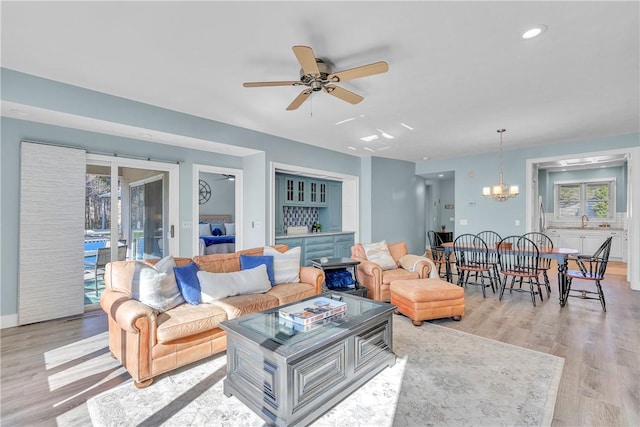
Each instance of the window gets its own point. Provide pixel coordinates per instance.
(596, 199)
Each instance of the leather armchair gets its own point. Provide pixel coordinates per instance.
(378, 281)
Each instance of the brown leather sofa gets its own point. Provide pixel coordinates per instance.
(149, 344)
(378, 281)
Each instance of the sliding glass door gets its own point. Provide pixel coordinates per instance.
(148, 218)
(127, 215)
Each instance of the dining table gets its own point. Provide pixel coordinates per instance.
(561, 255)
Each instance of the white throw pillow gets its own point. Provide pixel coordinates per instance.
(286, 266)
(216, 286)
(230, 228)
(379, 253)
(204, 230)
(156, 285)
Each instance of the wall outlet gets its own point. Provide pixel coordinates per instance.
(517, 223)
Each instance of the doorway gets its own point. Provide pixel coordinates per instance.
(632, 157)
(128, 216)
(217, 199)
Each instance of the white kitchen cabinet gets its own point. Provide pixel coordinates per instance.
(617, 245)
(555, 237)
(588, 241)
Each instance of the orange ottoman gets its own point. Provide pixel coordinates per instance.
(425, 299)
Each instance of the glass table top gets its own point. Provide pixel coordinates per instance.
(269, 324)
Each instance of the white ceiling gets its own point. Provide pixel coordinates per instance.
(458, 71)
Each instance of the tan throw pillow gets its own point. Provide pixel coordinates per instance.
(286, 266)
(379, 253)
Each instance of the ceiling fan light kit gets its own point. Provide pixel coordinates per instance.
(317, 75)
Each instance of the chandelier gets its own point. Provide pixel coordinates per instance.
(500, 191)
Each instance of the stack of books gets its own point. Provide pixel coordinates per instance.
(312, 311)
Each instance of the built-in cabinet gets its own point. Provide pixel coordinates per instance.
(302, 191)
(331, 217)
(588, 241)
(293, 190)
(321, 245)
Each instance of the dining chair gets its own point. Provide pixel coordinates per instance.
(545, 244)
(103, 258)
(519, 260)
(437, 252)
(491, 238)
(472, 257)
(591, 268)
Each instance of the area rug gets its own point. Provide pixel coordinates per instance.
(442, 377)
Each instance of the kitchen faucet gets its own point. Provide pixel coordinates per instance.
(585, 220)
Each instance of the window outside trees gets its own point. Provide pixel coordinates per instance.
(594, 199)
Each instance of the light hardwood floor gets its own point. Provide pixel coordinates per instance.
(50, 369)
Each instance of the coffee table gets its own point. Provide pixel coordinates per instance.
(290, 377)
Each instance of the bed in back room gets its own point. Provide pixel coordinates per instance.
(217, 234)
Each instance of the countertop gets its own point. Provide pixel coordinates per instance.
(323, 233)
(596, 228)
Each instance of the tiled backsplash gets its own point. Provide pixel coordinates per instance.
(620, 221)
(295, 216)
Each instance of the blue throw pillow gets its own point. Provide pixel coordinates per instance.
(216, 232)
(217, 225)
(248, 262)
(188, 283)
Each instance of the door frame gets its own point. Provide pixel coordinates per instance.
(632, 155)
(239, 197)
(171, 202)
(350, 195)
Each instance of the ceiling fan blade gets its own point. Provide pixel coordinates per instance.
(299, 99)
(343, 94)
(263, 84)
(307, 59)
(357, 72)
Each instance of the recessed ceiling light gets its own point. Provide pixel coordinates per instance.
(370, 149)
(383, 133)
(345, 121)
(369, 138)
(425, 158)
(534, 32)
(440, 175)
(352, 148)
(407, 126)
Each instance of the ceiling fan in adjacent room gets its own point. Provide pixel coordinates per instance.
(317, 75)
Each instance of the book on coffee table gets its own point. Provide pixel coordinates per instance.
(311, 311)
(291, 328)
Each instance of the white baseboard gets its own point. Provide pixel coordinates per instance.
(8, 321)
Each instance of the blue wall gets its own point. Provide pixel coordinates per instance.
(397, 204)
(41, 93)
(619, 173)
(391, 195)
(474, 172)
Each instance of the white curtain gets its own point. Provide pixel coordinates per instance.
(52, 199)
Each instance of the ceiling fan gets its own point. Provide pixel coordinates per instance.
(317, 75)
